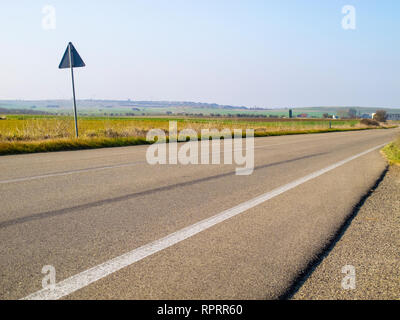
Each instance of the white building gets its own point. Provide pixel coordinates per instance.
(393, 116)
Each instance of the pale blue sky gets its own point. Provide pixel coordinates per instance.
(253, 53)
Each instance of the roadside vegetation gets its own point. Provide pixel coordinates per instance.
(27, 134)
(392, 152)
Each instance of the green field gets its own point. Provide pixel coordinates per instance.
(28, 133)
(33, 128)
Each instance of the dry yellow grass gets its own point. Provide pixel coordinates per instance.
(34, 129)
(22, 134)
(392, 152)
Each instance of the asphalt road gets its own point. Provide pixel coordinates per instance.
(79, 210)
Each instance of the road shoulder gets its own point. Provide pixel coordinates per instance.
(371, 245)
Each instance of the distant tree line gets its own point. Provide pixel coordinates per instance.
(25, 111)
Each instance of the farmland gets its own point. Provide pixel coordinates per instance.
(118, 108)
(31, 128)
(30, 133)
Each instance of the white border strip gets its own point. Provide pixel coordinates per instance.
(96, 273)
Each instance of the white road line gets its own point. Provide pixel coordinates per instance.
(94, 274)
(66, 173)
(58, 174)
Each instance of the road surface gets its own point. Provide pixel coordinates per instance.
(370, 245)
(115, 227)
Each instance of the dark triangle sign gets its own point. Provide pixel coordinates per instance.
(76, 59)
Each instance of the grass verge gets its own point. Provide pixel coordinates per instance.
(66, 144)
(392, 152)
(70, 144)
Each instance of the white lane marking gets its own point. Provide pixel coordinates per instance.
(66, 173)
(57, 174)
(96, 273)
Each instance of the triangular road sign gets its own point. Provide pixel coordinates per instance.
(76, 59)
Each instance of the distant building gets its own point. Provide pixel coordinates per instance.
(366, 116)
(393, 116)
(302, 115)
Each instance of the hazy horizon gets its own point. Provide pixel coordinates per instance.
(264, 54)
(194, 102)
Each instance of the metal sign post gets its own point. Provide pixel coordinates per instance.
(73, 91)
(72, 59)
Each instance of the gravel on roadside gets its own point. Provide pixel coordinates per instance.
(371, 245)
